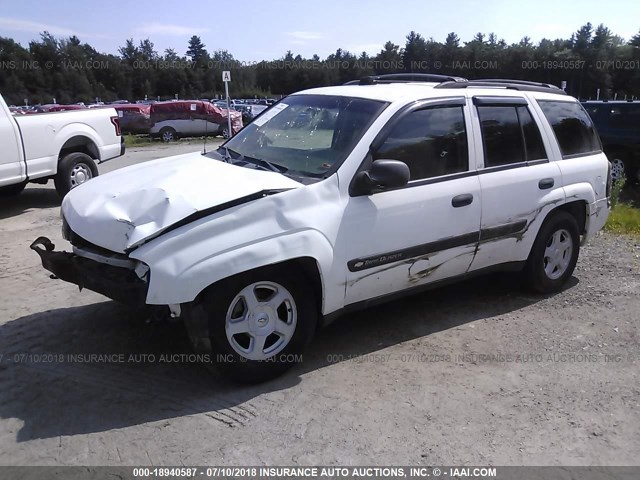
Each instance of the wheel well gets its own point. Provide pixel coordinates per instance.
(306, 265)
(309, 268)
(79, 144)
(578, 210)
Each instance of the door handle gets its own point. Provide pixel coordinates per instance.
(462, 200)
(546, 183)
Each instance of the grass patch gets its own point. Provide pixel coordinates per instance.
(137, 140)
(624, 218)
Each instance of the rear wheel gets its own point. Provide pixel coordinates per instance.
(554, 254)
(73, 170)
(621, 165)
(259, 323)
(618, 169)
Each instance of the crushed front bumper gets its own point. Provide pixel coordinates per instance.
(118, 283)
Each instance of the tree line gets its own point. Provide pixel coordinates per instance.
(591, 61)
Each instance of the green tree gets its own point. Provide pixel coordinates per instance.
(196, 50)
(415, 52)
(389, 59)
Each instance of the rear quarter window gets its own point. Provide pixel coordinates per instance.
(572, 126)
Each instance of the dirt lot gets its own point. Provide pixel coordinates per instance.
(478, 373)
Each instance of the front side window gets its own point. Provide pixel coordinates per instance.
(304, 135)
(572, 126)
(432, 142)
(625, 117)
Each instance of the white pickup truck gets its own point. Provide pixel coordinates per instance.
(63, 146)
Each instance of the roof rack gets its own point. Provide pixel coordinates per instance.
(404, 78)
(521, 85)
(628, 100)
(447, 81)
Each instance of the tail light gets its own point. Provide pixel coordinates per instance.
(116, 124)
(609, 180)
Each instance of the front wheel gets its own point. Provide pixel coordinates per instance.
(168, 134)
(260, 322)
(554, 254)
(73, 170)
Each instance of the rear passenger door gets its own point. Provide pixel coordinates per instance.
(518, 183)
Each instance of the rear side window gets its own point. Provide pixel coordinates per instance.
(432, 142)
(510, 135)
(573, 127)
(626, 117)
(532, 138)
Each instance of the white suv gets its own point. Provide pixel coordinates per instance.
(335, 199)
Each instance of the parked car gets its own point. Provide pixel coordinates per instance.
(188, 118)
(55, 107)
(398, 184)
(134, 118)
(62, 146)
(256, 110)
(249, 111)
(618, 123)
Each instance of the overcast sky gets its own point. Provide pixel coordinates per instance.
(257, 30)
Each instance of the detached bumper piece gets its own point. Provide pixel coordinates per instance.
(117, 283)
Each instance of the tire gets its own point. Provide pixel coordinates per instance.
(621, 165)
(618, 167)
(73, 170)
(225, 132)
(548, 267)
(168, 134)
(12, 190)
(245, 345)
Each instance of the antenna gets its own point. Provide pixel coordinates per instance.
(206, 124)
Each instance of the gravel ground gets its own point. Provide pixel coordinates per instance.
(476, 373)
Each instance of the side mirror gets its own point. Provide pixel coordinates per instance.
(383, 175)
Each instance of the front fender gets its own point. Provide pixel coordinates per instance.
(180, 277)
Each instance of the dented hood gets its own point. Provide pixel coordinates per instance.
(120, 209)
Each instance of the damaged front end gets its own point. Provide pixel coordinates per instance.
(110, 274)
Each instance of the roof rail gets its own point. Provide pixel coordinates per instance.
(404, 78)
(517, 82)
(521, 85)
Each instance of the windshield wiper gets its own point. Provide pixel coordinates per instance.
(274, 167)
(227, 156)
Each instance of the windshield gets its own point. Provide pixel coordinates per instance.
(308, 135)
